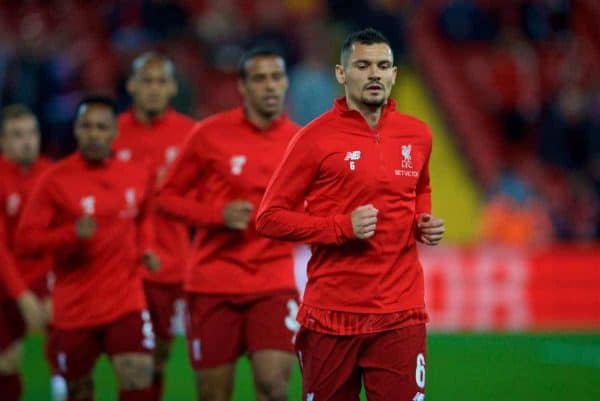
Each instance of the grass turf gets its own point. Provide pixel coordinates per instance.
(466, 367)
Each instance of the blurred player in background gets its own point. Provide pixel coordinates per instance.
(20, 277)
(241, 295)
(89, 212)
(153, 133)
(361, 172)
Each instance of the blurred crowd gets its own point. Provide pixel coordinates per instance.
(533, 63)
(52, 52)
(534, 66)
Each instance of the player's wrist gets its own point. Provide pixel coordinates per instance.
(344, 228)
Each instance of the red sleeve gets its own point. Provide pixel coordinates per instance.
(145, 221)
(423, 192)
(37, 231)
(184, 176)
(10, 278)
(423, 199)
(278, 216)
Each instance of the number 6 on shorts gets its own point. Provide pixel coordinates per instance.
(420, 371)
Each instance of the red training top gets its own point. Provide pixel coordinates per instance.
(157, 144)
(227, 158)
(97, 280)
(15, 186)
(332, 166)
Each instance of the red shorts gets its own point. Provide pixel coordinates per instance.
(12, 325)
(163, 301)
(391, 364)
(73, 352)
(221, 328)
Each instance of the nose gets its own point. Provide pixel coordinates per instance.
(374, 72)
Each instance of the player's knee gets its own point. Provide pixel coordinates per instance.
(272, 387)
(133, 371)
(81, 389)
(213, 387)
(10, 359)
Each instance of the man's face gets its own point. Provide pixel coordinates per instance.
(265, 85)
(369, 74)
(21, 139)
(152, 87)
(95, 130)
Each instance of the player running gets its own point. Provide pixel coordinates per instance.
(153, 133)
(89, 212)
(360, 171)
(241, 295)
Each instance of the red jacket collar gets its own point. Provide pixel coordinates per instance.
(341, 106)
(164, 117)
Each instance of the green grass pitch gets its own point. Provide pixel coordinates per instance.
(465, 367)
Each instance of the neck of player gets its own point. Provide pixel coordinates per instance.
(146, 117)
(370, 113)
(260, 120)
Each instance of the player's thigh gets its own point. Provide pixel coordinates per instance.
(162, 301)
(215, 384)
(270, 322)
(10, 358)
(271, 370)
(130, 342)
(329, 366)
(393, 365)
(214, 331)
(73, 353)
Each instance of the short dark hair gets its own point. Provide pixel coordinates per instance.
(258, 51)
(14, 111)
(368, 36)
(98, 100)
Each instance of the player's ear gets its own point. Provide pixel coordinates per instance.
(130, 86)
(242, 87)
(173, 88)
(340, 74)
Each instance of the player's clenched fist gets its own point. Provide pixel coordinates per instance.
(85, 227)
(431, 229)
(364, 221)
(236, 214)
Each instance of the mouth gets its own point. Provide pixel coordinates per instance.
(271, 100)
(374, 88)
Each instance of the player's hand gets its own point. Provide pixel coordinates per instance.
(85, 227)
(236, 214)
(430, 229)
(151, 261)
(32, 311)
(364, 221)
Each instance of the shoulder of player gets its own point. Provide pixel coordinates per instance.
(52, 172)
(213, 126)
(313, 131)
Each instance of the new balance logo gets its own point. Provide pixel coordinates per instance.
(13, 203)
(352, 157)
(124, 155)
(237, 164)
